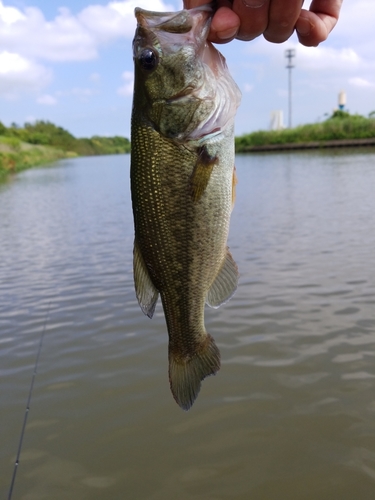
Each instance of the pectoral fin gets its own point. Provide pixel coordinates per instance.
(225, 284)
(201, 173)
(145, 290)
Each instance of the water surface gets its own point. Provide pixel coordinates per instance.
(291, 413)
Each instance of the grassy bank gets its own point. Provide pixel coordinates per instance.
(43, 142)
(16, 155)
(340, 126)
(47, 134)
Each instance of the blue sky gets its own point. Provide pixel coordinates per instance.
(70, 62)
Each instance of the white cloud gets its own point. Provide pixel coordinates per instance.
(356, 23)
(82, 93)
(318, 58)
(328, 58)
(361, 82)
(12, 63)
(282, 92)
(106, 22)
(30, 119)
(321, 68)
(346, 60)
(10, 15)
(62, 39)
(128, 85)
(27, 37)
(18, 75)
(94, 77)
(69, 37)
(348, 49)
(247, 87)
(46, 99)
(116, 19)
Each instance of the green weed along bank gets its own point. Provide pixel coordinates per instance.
(16, 155)
(43, 142)
(340, 126)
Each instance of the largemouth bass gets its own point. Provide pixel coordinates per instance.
(182, 184)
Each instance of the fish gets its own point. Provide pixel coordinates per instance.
(182, 185)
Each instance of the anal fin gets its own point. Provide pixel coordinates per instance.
(145, 290)
(225, 284)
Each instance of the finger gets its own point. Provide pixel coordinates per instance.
(282, 19)
(225, 23)
(254, 17)
(314, 26)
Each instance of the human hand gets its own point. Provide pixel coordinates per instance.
(276, 20)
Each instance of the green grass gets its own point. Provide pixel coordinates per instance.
(47, 134)
(340, 125)
(43, 142)
(16, 155)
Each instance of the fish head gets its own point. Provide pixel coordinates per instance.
(177, 73)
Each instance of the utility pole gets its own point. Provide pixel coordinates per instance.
(289, 54)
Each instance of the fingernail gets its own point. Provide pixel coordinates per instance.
(303, 26)
(226, 34)
(253, 4)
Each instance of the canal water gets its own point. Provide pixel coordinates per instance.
(290, 415)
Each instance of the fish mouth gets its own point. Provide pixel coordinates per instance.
(192, 23)
(172, 22)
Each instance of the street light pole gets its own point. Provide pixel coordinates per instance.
(289, 54)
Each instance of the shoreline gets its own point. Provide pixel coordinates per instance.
(24, 156)
(15, 158)
(293, 146)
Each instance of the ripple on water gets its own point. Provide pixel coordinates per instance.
(291, 412)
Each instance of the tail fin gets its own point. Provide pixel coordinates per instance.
(185, 376)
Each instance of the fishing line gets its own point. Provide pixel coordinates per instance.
(16, 463)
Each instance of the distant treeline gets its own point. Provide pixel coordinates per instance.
(47, 134)
(341, 125)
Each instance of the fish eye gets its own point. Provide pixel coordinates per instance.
(148, 59)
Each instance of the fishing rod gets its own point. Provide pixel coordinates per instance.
(16, 463)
